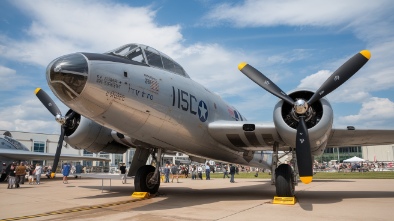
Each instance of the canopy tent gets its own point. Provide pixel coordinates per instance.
(354, 159)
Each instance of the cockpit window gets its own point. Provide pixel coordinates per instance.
(172, 66)
(153, 59)
(9, 143)
(150, 56)
(136, 55)
(125, 49)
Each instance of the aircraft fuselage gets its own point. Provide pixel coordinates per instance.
(153, 105)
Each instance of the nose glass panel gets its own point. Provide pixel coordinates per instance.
(68, 76)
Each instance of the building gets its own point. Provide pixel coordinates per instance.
(47, 143)
(382, 153)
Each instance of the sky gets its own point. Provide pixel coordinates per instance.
(297, 44)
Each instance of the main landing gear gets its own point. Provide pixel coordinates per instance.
(283, 176)
(284, 181)
(142, 180)
(147, 177)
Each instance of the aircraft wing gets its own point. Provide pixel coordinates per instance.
(244, 135)
(363, 137)
(28, 155)
(233, 134)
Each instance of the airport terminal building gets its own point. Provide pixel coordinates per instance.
(47, 143)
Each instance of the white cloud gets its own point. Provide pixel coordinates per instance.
(10, 80)
(314, 81)
(61, 27)
(374, 112)
(28, 115)
(5, 72)
(215, 67)
(254, 13)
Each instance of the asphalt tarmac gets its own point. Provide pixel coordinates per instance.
(216, 199)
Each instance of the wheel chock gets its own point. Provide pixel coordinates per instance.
(140, 195)
(284, 200)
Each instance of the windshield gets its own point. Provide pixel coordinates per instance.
(124, 50)
(148, 55)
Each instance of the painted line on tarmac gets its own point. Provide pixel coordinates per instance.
(80, 209)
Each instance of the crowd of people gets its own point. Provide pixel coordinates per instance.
(17, 172)
(196, 170)
(351, 166)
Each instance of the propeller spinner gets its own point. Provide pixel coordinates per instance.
(340, 76)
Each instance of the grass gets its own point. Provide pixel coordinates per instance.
(319, 175)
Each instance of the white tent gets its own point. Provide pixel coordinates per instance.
(353, 159)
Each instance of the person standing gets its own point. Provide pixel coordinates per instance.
(31, 174)
(38, 172)
(78, 169)
(208, 172)
(167, 173)
(186, 171)
(20, 173)
(225, 172)
(66, 172)
(174, 172)
(10, 171)
(122, 169)
(232, 172)
(194, 172)
(199, 172)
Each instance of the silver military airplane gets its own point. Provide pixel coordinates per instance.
(137, 97)
(12, 150)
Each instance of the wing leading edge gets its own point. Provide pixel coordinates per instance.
(363, 137)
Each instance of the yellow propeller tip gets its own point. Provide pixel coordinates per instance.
(241, 65)
(366, 54)
(306, 179)
(37, 90)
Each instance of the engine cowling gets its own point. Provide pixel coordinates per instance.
(319, 119)
(83, 133)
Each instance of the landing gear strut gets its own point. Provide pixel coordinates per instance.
(283, 176)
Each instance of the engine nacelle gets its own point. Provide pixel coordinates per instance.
(318, 118)
(86, 134)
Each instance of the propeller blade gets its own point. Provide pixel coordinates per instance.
(47, 101)
(264, 82)
(341, 75)
(58, 152)
(303, 152)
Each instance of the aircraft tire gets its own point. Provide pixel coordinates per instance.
(142, 177)
(284, 181)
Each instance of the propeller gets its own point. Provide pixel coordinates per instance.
(300, 106)
(64, 122)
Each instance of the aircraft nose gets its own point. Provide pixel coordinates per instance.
(67, 76)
